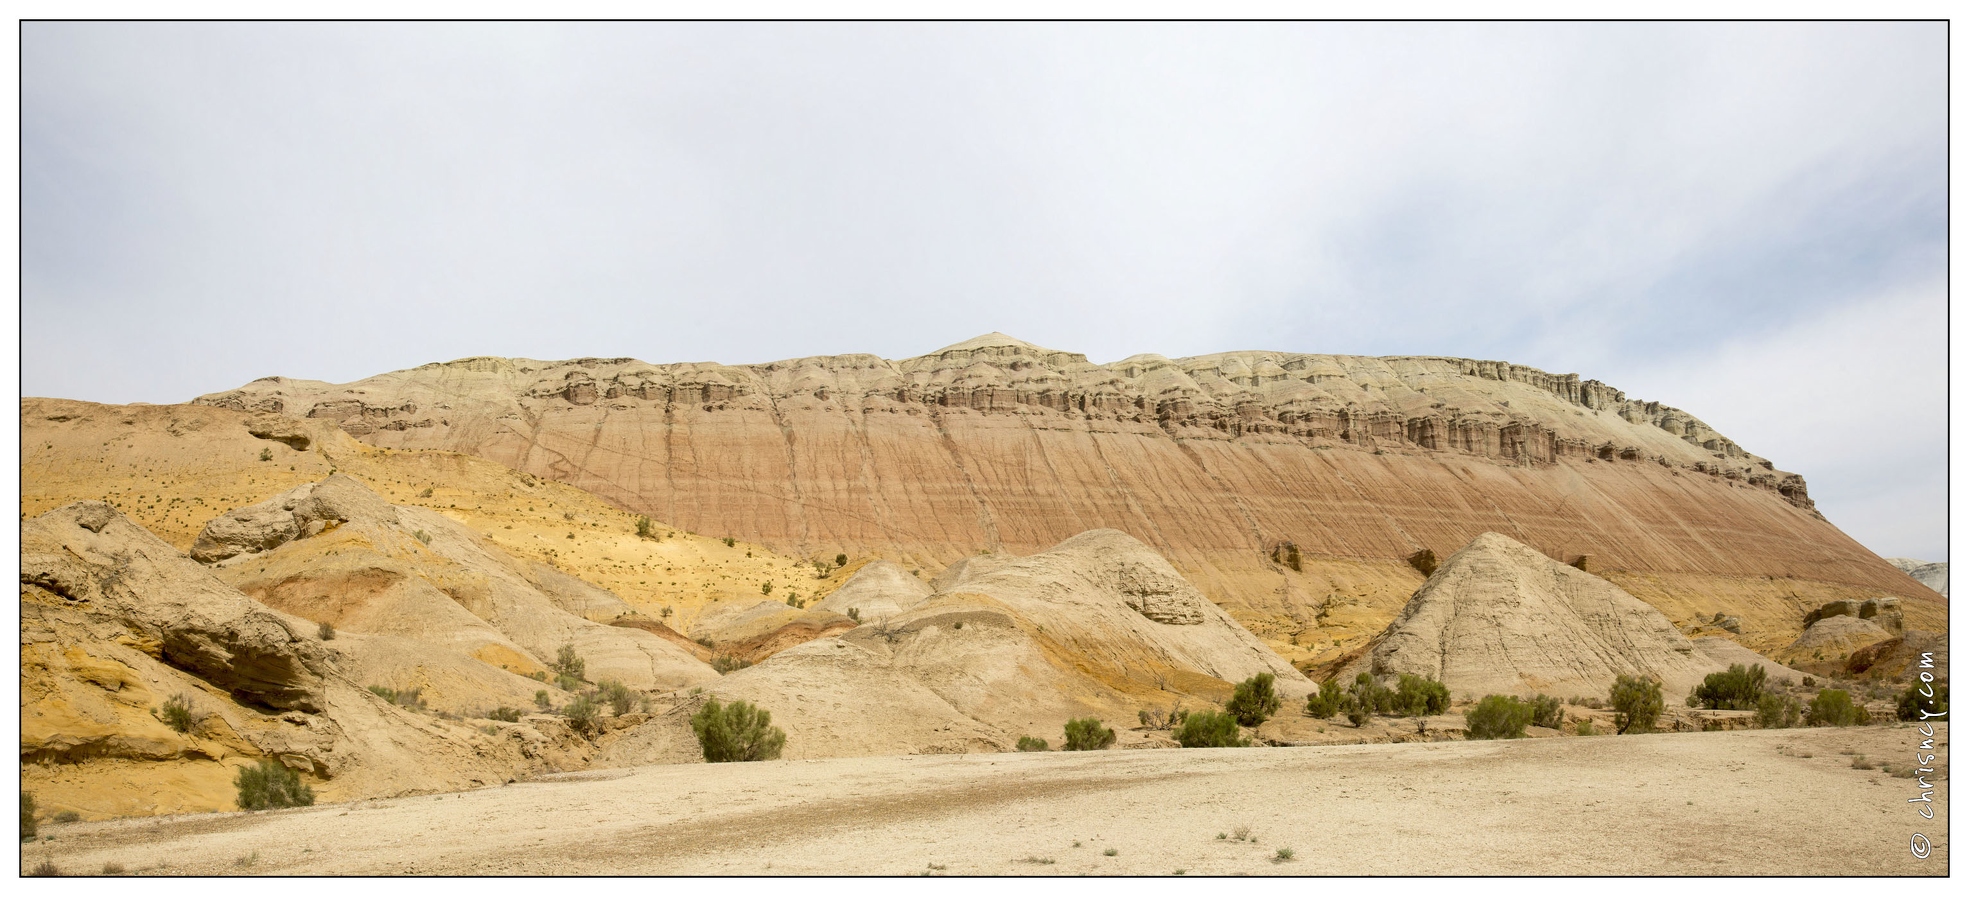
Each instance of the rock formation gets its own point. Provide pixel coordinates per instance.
(1098, 625)
(115, 623)
(1934, 575)
(878, 590)
(1498, 617)
(1213, 461)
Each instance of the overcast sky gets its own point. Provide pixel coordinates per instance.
(1746, 221)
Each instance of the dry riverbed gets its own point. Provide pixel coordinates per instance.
(1787, 802)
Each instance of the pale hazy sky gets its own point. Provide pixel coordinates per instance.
(1746, 221)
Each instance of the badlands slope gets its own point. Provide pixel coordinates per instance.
(1217, 462)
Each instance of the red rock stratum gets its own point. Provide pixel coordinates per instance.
(1224, 463)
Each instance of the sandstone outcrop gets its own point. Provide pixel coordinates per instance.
(1001, 445)
(1498, 617)
(115, 623)
(1015, 648)
(1934, 575)
(1832, 639)
(335, 552)
(878, 590)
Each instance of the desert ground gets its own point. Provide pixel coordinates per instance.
(1765, 802)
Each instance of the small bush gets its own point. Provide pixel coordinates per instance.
(1357, 713)
(504, 714)
(618, 696)
(643, 527)
(584, 714)
(1776, 711)
(67, 816)
(427, 494)
(1498, 716)
(542, 700)
(27, 817)
(1545, 712)
(568, 664)
(1208, 728)
(1254, 700)
(266, 454)
(1737, 688)
(766, 588)
(738, 733)
(854, 613)
(1323, 704)
(1861, 762)
(1912, 702)
(1372, 696)
(1636, 704)
(326, 631)
(1834, 707)
(422, 536)
(1029, 744)
(112, 867)
(1420, 696)
(840, 560)
(729, 541)
(176, 713)
(1583, 727)
(270, 785)
(1087, 734)
(1110, 852)
(44, 869)
(1284, 855)
(725, 663)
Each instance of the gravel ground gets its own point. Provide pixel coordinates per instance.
(1784, 802)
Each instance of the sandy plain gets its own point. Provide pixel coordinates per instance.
(1770, 802)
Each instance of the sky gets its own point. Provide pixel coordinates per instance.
(1744, 221)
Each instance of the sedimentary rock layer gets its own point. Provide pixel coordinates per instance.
(1214, 461)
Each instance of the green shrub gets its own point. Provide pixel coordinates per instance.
(1636, 704)
(1254, 700)
(266, 454)
(1546, 712)
(1208, 728)
(584, 715)
(569, 664)
(725, 663)
(1737, 688)
(1912, 702)
(854, 613)
(1087, 734)
(729, 541)
(1776, 711)
(542, 700)
(565, 682)
(1834, 707)
(1356, 711)
(1497, 716)
(840, 560)
(326, 631)
(504, 714)
(176, 713)
(1029, 744)
(28, 830)
(1324, 703)
(736, 733)
(1420, 696)
(766, 588)
(1373, 696)
(1583, 727)
(270, 785)
(643, 527)
(422, 536)
(618, 696)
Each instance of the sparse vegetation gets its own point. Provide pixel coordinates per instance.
(1208, 728)
(422, 536)
(1834, 707)
(542, 700)
(27, 817)
(1497, 716)
(1546, 712)
(1420, 696)
(766, 588)
(504, 714)
(1777, 711)
(1110, 852)
(619, 698)
(643, 528)
(1029, 744)
(1861, 762)
(1284, 855)
(1583, 727)
(266, 454)
(569, 666)
(1636, 704)
(1737, 688)
(111, 867)
(729, 541)
(854, 613)
(584, 715)
(1326, 702)
(1913, 702)
(840, 560)
(270, 785)
(326, 631)
(427, 494)
(44, 869)
(1254, 700)
(726, 663)
(409, 698)
(176, 713)
(67, 816)
(1087, 734)
(736, 733)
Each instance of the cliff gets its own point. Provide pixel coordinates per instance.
(1229, 464)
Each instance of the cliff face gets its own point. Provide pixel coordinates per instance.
(1221, 462)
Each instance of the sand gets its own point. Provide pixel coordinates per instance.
(1785, 802)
